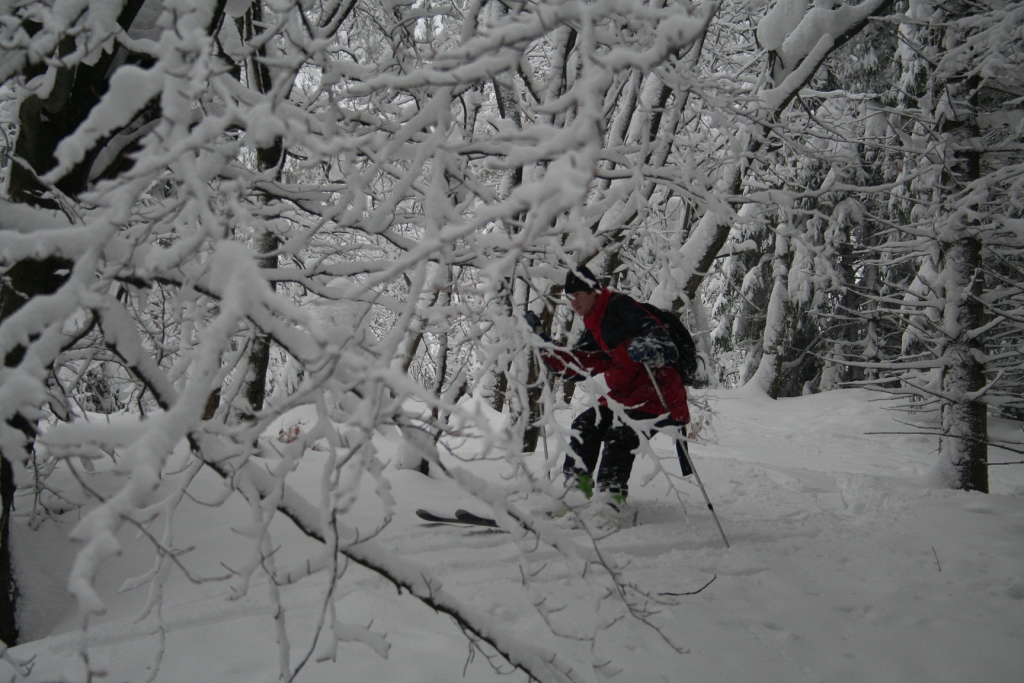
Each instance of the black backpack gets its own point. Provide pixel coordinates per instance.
(687, 363)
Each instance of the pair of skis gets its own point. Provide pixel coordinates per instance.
(461, 518)
(467, 518)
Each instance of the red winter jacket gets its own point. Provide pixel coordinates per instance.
(614, 322)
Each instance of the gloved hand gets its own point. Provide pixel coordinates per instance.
(642, 350)
(533, 320)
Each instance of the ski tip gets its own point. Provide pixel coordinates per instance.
(431, 517)
(469, 517)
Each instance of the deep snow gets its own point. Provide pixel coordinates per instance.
(845, 565)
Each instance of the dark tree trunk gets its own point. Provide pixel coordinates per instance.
(533, 393)
(8, 586)
(964, 442)
(267, 159)
(23, 281)
(255, 389)
(42, 125)
(963, 446)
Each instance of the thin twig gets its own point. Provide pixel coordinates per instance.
(693, 592)
(959, 436)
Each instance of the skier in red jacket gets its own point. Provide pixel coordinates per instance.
(630, 346)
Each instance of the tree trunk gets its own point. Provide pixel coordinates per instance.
(25, 280)
(963, 446)
(255, 388)
(963, 449)
(767, 377)
(533, 392)
(8, 585)
(267, 159)
(42, 124)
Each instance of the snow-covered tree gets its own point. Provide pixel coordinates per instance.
(960, 183)
(220, 213)
(359, 189)
(885, 186)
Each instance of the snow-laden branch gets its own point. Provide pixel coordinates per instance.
(543, 663)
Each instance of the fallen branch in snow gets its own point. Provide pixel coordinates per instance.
(994, 444)
(540, 662)
(677, 595)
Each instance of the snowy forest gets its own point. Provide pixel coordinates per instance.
(246, 240)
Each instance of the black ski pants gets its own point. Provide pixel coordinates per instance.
(596, 427)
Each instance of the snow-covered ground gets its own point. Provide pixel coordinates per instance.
(845, 565)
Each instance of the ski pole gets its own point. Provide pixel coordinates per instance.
(683, 451)
(543, 428)
(547, 457)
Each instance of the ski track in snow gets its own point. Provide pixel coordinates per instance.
(845, 565)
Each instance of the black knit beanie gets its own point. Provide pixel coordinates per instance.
(580, 280)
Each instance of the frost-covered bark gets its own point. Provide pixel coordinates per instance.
(8, 585)
(767, 376)
(963, 446)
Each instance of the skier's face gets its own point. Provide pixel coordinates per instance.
(583, 302)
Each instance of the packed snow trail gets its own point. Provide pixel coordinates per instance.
(845, 565)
